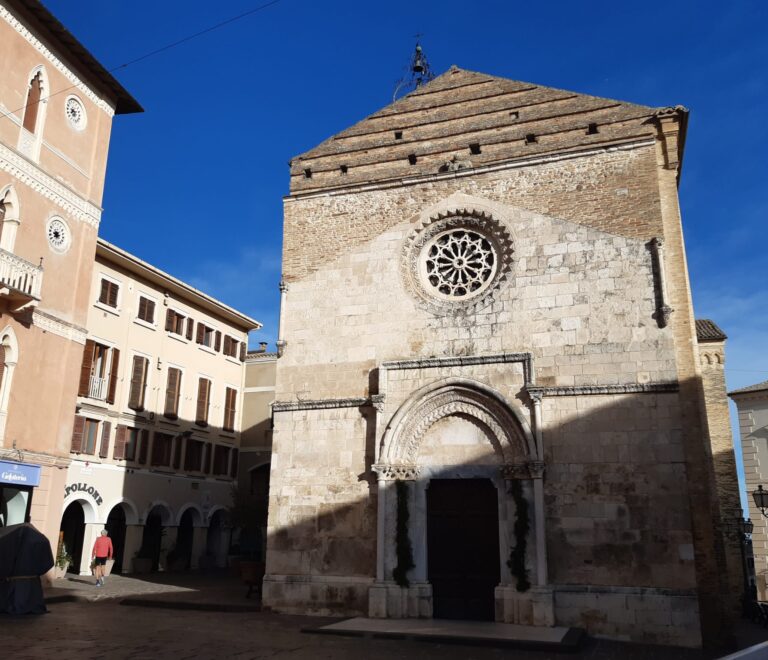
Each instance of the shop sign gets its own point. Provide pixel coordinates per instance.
(20, 474)
(83, 488)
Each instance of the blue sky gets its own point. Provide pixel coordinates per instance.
(225, 112)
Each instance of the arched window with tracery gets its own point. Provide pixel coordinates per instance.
(33, 118)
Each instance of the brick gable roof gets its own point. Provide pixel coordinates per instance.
(506, 119)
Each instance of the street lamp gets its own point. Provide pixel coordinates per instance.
(761, 499)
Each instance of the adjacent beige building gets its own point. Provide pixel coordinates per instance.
(490, 400)
(56, 109)
(155, 446)
(752, 405)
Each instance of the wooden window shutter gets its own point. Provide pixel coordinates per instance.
(2, 363)
(85, 369)
(172, 393)
(203, 398)
(208, 457)
(113, 375)
(170, 317)
(190, 326)
(229, 409)
(120, 438)
(200, 333)
(233, 464)
(138, 382)
(143, 308)
(144, 446)
(106, 429)
(113, 289)
(217, 344)
(104, 292)
(150, 311)
(242, 351)
(177, 448)
(77, 434)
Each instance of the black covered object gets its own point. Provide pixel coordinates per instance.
(25, 554)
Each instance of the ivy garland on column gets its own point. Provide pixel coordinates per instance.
(402, 542)
(516, 561)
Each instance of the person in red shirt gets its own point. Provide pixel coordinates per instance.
(102, 550)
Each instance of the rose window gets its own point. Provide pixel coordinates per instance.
(459, 263)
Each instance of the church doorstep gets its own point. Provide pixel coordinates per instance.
(535, 607)
(390, 601)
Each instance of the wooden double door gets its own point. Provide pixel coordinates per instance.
(463, 547)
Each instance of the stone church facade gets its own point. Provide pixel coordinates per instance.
(489, 399)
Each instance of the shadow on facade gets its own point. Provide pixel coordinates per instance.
(629, 519)
(167, 509)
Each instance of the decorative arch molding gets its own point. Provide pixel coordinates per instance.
(457, 216)
(510, 432)
(90, 507)
(166, 515)
(11, 217)
(129, 508)
(198, 520)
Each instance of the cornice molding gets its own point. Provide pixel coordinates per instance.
(319, 404)
(56, 62)
(626, 388)
(50, 323)
(26, 456)
(465, 361)
(31, 175)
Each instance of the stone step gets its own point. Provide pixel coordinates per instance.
(485, 633)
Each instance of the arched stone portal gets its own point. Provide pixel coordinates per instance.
(458, 429)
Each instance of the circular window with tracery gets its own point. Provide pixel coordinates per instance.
(459, 263)
(58, 234)
(75, 112)
(453, 263)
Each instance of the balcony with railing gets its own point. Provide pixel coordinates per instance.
(97, 388)
(20, 281)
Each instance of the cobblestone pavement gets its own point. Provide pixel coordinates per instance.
(106, 629)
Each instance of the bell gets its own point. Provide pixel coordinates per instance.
(418, 62)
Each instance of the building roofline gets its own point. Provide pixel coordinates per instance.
(751, 389)
(139, 267)
(54, 30)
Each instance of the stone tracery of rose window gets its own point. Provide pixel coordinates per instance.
(453, 263)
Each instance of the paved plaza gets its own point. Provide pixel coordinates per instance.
(106, 629)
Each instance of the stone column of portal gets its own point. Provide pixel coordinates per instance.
(381, 523)
(419, 526)
(537, 476)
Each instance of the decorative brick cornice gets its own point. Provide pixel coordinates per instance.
(31, 175)
(626, 388)
(465, 361)
(319, 404)
(389, 472)
(56, 62)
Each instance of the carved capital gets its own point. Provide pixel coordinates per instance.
(281, 344)
(283, 286)
(536, 395)
(663, 314)
(391, 472)
(536, 469)
(515, 471)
